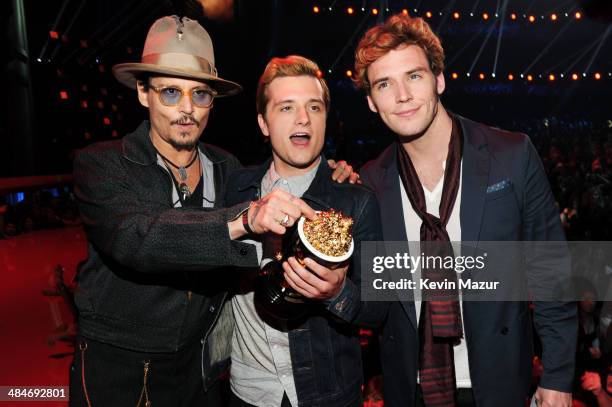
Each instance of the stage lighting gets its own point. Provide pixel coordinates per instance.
(481, 75)
(405, 12)
(316, 9)
(350, 10)
(510, 77)
(597, 75)
(578, 15)
(375, 11)
(54, 35)
(553, 17)
(454, 75)
(551, 77)
(529, 78)
(319, 73)
(513, 16)
(63, 95)
(349, 73)
(428, 14)
(456, 15)
(531, 19)
(107, 121)
(485, 16)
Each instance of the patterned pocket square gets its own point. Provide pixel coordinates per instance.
(499, 186)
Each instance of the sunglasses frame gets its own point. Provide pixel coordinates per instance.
(159, 89)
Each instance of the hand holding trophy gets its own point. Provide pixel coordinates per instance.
(327, 239)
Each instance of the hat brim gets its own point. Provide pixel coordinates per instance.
(128, 73)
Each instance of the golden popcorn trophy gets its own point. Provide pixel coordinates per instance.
(326, 239)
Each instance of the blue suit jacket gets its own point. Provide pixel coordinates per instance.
(505, 197)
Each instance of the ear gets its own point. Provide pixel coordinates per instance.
(143, 95)
(263, 125)
(440, 83)
(371, 104)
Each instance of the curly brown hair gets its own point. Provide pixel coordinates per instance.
(399, 30)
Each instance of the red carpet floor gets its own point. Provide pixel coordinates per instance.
(34, 326)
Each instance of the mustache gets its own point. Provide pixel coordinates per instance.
(186, 119)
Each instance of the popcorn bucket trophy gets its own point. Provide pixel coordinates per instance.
(326, 239)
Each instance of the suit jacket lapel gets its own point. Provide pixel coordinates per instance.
(390, 199)
(475, 176)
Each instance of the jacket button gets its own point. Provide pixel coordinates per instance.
(212, 308)
(504, 330)
(243, 251)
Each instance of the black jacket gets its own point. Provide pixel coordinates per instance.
(146, 285)
(325, 350)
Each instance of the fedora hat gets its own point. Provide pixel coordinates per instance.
(178, 47)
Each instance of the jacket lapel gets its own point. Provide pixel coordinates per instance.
(476, 164)
(392, 215)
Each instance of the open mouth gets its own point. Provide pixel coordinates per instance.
(300, 139)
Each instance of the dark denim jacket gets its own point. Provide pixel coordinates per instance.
(325, 350)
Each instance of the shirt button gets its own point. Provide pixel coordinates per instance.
(212, 308)
(285, 182)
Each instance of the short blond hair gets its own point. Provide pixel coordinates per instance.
(399, 30)
(292, 65)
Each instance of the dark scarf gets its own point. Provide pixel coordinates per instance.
(440, 322)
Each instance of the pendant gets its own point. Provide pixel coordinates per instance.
(184, 189)
(182, 173)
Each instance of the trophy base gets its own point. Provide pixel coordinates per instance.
(279, 302)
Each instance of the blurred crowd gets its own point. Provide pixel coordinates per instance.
(577, 156)
(36, 211)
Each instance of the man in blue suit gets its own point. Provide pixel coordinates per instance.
(448, 178)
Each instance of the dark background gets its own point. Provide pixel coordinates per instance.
(40, 130)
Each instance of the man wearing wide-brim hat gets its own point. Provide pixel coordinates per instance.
(151, 292)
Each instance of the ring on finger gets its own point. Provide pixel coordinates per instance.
(285, 221)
